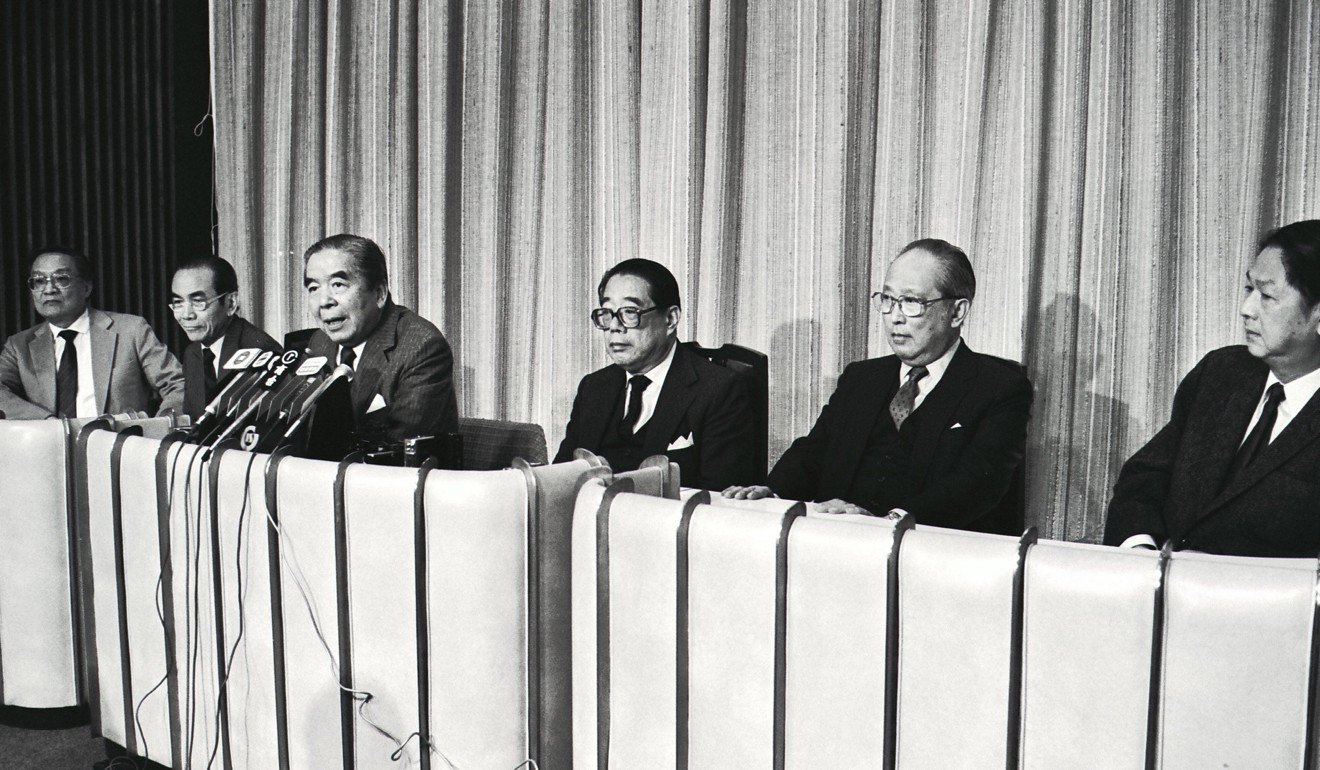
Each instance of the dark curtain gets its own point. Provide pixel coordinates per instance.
(98, 104)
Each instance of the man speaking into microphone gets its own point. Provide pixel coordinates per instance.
(403, 383)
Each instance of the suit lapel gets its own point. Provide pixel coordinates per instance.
(937, 408)
(233, 341)
(1303, 430)
(41, 349)
(375, 358)
(104, 342)
(845, 454)
(1229, 414)
(603, 407)
(675, 396)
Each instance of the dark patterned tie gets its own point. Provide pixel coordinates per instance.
(347, 357)
(66, 377)
(209, 380)
(1259, 437)
(901, 405)
(636, 386)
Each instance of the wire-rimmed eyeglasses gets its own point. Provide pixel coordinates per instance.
(38, 281)
(912, 307)
(196, 304)
(629, 317)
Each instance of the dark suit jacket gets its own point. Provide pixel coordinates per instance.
(132, 370)
(699, 399)
(240, 334)
(962, 460)
(409, 364)
(1171, 488)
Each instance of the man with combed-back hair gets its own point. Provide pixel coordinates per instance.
(658, 397)
(934, 430)
(403, 381)
(83, 362)
(204, 300)
(1237, 468)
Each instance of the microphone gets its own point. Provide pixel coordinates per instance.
(236, 387)
(279, 369)
(342, 372)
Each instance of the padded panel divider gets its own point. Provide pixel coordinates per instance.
(137, 497)
(591, 498)
(956, 623)
(380, 532)
(839, 601)
(85, 589)
(1237, 654)
(477, 589)
(737, 560)
(250, 725)
(38, 658)
(553, 491)
(108, 714)
(306, 509)
(642, 632)
(1089, 625)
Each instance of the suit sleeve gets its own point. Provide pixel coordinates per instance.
(1138, 504)
(984, 470)
(424, 399)
(160, 369)
(728, 441)
(796, 475)
(13, 396)
(571, 440)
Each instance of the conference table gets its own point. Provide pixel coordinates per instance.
(218, 608)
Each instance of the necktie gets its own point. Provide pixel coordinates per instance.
(1259, 437)
(347, 357)
(901, 405)
(66, 378)
(209, 380)
(635, 387)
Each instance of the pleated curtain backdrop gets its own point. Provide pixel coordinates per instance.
(1108, 165)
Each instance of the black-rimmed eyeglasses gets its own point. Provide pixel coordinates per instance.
(38, 281)
(196, 304)
(629, 317)
(912, 307)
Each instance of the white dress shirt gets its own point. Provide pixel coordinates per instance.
(652, 393)
(82, 348)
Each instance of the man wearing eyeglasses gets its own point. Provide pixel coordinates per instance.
(83, 362)
(935, 430)
(204, 300)
(658, 397)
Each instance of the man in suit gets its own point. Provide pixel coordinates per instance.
(83, 362)
(403, 368)
(658, 397)
(205, 303)
(934, 430)
(1237, 468)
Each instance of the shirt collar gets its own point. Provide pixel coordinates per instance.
(82, 324)
(934, 369)
(661, 371)
(1297, 393)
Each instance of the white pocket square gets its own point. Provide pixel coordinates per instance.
(377, 403)
(955, 425)
(682, 442)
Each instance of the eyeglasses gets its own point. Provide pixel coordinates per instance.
(38, 281)
(629, 317)
(911, 307)
(196, 305)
